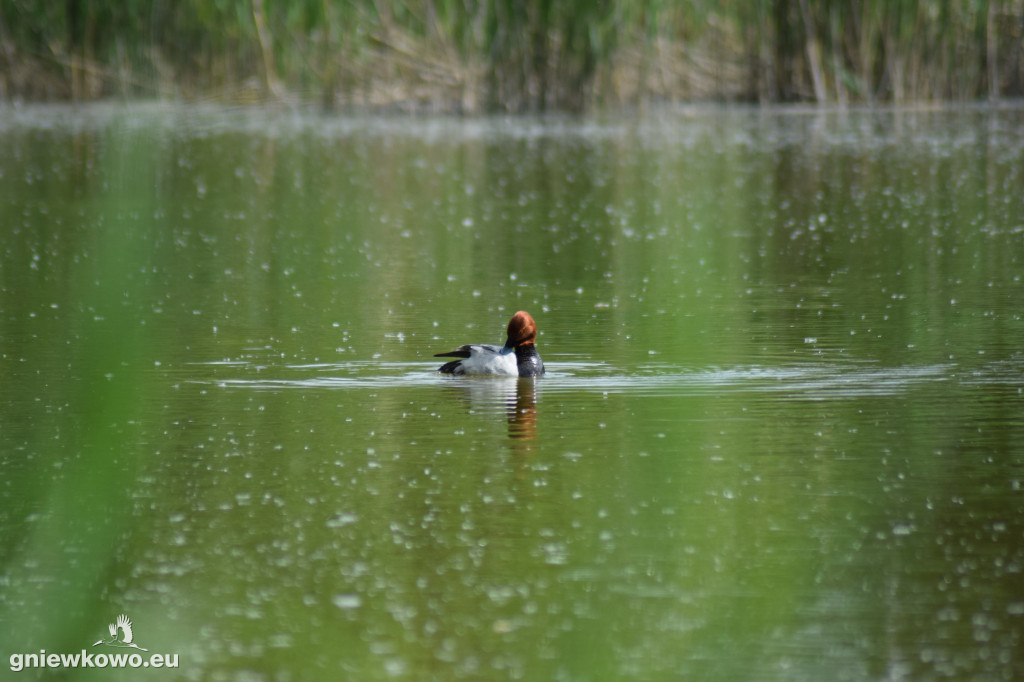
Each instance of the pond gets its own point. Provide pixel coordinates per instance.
(781, 434)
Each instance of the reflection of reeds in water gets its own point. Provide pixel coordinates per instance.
(516, 56)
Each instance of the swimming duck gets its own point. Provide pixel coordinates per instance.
(518, 357)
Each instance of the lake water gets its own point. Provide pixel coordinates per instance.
(781, 436)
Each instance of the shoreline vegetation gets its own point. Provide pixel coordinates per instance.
(482, 56)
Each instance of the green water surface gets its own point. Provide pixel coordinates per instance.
(781, 436)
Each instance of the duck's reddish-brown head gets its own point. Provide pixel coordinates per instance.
(522, 330)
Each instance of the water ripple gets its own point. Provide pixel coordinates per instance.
(795, 382)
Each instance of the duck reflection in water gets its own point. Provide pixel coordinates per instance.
(522, 416)
(514, 396)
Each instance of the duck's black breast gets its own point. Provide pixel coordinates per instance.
(529, 362)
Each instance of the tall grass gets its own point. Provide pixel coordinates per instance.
(514, 55)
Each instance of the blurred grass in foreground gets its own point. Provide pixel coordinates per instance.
(71, 441)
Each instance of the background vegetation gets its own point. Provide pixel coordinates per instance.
(512, 55)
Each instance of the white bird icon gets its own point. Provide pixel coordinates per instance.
(125, 626)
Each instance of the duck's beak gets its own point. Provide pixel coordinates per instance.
(509, 346)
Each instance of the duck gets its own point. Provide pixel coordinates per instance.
(518, 357)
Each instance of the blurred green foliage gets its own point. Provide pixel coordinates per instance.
(513, 55)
